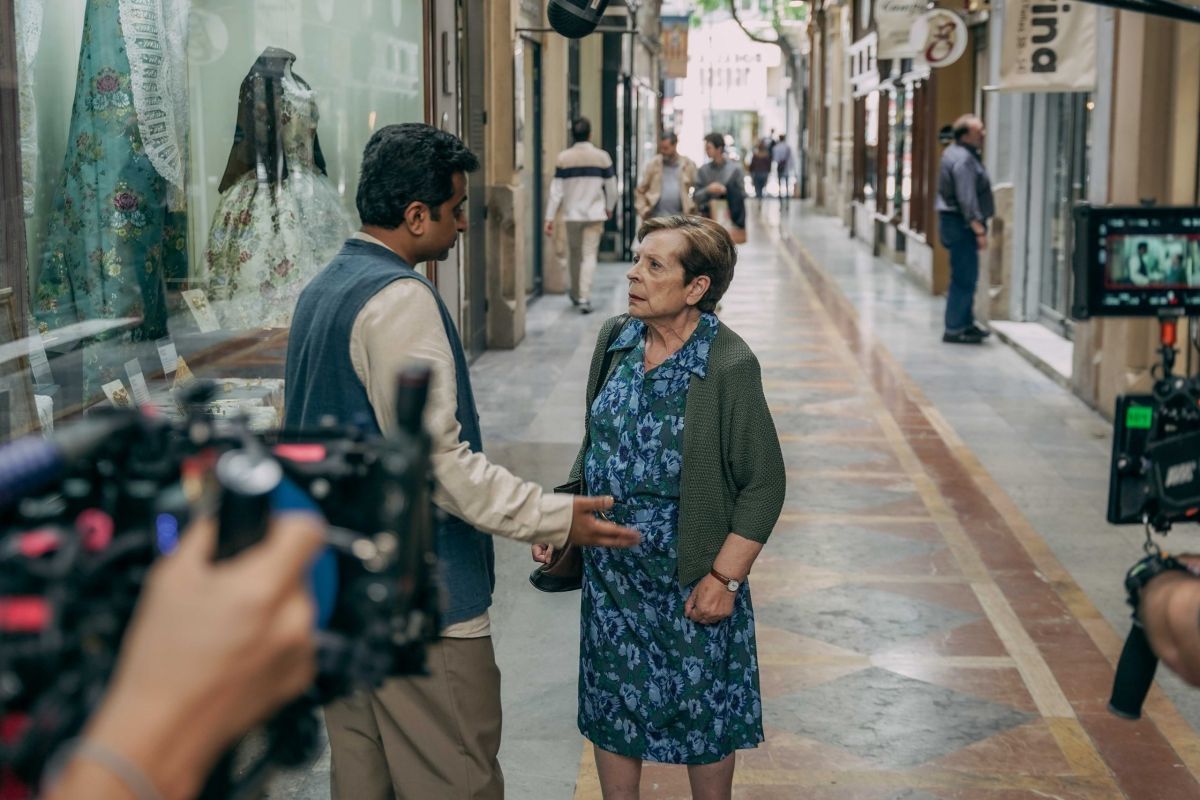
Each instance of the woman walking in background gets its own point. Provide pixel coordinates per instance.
(760, 169)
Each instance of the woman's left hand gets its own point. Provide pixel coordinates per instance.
(709, 603)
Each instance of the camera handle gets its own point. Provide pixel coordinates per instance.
(1168, 336)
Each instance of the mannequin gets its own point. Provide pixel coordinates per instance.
(280, 218)
(114, 235)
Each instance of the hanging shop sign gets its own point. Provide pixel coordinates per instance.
(894, 20)
(675, 47)
(939, 37)
(1048, 47)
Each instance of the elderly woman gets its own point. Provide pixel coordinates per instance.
(679, 433)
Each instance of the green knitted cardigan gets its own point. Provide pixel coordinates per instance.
(733, 476)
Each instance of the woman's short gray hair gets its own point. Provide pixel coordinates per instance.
(708, 250)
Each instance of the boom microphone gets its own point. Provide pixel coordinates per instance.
(575, 18)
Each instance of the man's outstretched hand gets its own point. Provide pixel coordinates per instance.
(590, 531)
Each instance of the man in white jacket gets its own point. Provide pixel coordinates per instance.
(585, 190)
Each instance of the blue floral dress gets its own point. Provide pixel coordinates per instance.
(653, 684)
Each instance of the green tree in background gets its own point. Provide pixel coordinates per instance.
(780, 14)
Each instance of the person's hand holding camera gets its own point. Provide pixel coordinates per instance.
(1169, 610)
(213, 648)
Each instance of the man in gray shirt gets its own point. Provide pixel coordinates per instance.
(964, 205)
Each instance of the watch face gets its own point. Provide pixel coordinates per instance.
(733, 586)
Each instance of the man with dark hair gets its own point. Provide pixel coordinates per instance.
(667, 182)
(365, 317)
(721, 179)
(585, 190)
(1143, 267)
(964, 205)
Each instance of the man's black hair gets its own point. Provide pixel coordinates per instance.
(717, 140)
(1143, 246)
(405, 164)
(581, 129)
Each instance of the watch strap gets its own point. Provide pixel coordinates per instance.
(724, 579)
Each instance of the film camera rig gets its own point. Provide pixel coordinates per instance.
(1145, 261)
(84, 516)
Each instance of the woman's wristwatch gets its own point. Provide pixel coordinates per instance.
(730, 584)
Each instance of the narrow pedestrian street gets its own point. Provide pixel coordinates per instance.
(941, 604)
(930, 607)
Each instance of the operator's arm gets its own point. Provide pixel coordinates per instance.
(399, 326)
(213, 649)
(1170, 613)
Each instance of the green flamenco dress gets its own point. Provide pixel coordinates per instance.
(113, 238)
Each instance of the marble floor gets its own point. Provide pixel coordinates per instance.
(940, 605)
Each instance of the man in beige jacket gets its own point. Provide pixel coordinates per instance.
(666, 186)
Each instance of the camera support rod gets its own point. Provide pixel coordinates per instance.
(1158, 8)
(1168, 335)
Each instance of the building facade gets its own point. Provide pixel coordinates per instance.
(174, 172)
(1129, 137)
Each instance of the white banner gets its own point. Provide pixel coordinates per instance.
(940, 37)
(1048, 47)
(894, 23)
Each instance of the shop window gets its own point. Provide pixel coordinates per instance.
(1068, 143)
(898, 166)
(905, 144)
(871, 147)
(181, 187)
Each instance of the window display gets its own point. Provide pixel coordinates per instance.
(177, 193)
(112, 236)
(263, 246)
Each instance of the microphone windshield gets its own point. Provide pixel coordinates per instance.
(575, 18)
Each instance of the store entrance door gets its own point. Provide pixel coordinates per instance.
(532, 176)
(1068, 144)
(472, 39)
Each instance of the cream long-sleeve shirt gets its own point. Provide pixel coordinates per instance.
(402, 325)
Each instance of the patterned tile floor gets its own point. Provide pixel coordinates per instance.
(917, 639)
(939, 606)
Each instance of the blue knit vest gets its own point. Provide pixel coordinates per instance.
(321, 382)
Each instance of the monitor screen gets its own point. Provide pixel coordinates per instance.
(1136, 261)
(1153, 261)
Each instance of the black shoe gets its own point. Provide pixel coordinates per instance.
(965, 337)
(982, 333)
(574, 302)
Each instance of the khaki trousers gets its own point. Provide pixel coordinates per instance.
(583, 245)
(433, 737)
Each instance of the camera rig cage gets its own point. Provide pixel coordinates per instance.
(83, 518)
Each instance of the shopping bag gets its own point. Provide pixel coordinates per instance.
(718, 211)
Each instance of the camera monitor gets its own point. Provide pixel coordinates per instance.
(1134, 261)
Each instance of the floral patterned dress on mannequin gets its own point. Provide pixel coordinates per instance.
(270, 237)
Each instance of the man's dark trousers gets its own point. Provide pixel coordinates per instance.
(959, 239)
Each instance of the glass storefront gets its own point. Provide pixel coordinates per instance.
(871, 143)
(1068, 145)
(188, 166)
